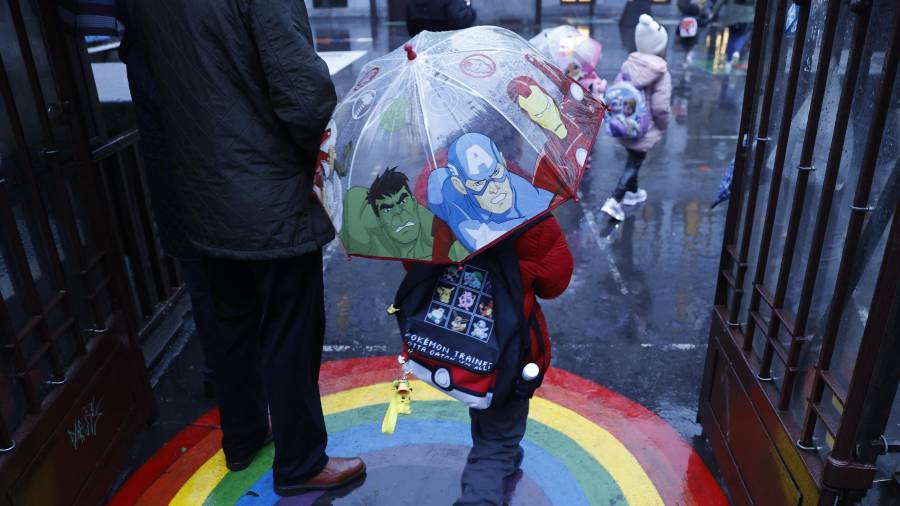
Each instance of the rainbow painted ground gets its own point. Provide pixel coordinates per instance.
(585, 445)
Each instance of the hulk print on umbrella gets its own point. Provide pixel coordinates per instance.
(385, 220)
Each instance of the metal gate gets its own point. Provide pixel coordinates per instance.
(802, 367)
(82, 278)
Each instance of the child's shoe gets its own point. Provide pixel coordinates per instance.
(634, 198)
(613, 209)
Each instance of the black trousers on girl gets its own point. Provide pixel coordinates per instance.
(629, 179)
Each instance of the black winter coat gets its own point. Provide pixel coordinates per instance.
(438, 15)
(245, 100)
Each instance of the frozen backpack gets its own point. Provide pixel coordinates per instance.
(628, 115)
(463, 329)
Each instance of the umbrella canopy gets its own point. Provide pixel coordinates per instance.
(445, 147)
(571, 50)
(725, 185)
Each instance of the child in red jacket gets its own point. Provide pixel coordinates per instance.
(546, 266)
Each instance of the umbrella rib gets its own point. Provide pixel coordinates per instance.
(465, 87)
(424, 118)
(346, 100)
(365, 128)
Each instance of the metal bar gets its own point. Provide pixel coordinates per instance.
(834, 159)
(22, 278)
(174, 270)
(39, 216)
(34, 81)
(40, 213)
(6, 442)
(761, 143)
(67, 86)
(73, 247)
(839, 390)
(804, 170)
(876, 410)
(784, 133)
(832, 168)
(730, 255)
(108, 202)
(8, 335)
(154, 250)
(115, 145)
(867, 356)
(122, 196)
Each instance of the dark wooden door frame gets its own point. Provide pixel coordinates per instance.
(87, 211)
(767, 455)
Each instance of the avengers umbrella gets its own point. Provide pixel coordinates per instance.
(446, 146)
(574, 52)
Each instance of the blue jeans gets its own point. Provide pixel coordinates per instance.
(737, 38)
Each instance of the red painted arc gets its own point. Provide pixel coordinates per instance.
(676, 470)
(160, 463)
(673, 466)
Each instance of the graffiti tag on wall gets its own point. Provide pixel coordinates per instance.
(85, 426)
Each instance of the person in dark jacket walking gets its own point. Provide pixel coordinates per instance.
(244, 101)
(438, 15)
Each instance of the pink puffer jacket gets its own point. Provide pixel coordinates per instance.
(649, 73)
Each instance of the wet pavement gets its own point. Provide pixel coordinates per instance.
(635, 318)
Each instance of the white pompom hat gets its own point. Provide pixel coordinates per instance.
(649, 36)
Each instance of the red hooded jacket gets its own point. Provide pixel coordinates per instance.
(546, 266)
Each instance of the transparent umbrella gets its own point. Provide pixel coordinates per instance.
(447, 145)
(573, 51)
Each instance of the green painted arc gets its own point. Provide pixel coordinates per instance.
(596, 482)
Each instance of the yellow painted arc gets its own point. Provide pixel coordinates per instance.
(634, 482)
(608, 451)
(201, 484)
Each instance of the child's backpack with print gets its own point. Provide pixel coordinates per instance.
(628, 115)
(463, 329)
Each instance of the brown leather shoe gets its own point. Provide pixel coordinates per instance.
(337, 473)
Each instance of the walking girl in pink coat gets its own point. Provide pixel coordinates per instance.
(646, 70)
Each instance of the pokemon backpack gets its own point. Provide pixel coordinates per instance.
(628, 115)
(463, 329)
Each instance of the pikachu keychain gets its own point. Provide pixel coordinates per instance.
(401, 399)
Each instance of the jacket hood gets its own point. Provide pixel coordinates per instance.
(643, 69)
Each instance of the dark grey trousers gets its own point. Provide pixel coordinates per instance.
(496, 453)
(629, 180)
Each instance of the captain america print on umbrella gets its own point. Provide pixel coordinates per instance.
(447, 145)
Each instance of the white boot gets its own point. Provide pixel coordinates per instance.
(634, 198)
(613, 209)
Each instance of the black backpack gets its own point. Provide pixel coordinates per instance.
(463, 329)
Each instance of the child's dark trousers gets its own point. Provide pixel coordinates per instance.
(629, 179)
(496, 453)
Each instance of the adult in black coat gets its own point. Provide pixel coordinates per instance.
(244, 100)
(438, 15)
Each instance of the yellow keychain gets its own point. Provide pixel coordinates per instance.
(401, 401)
